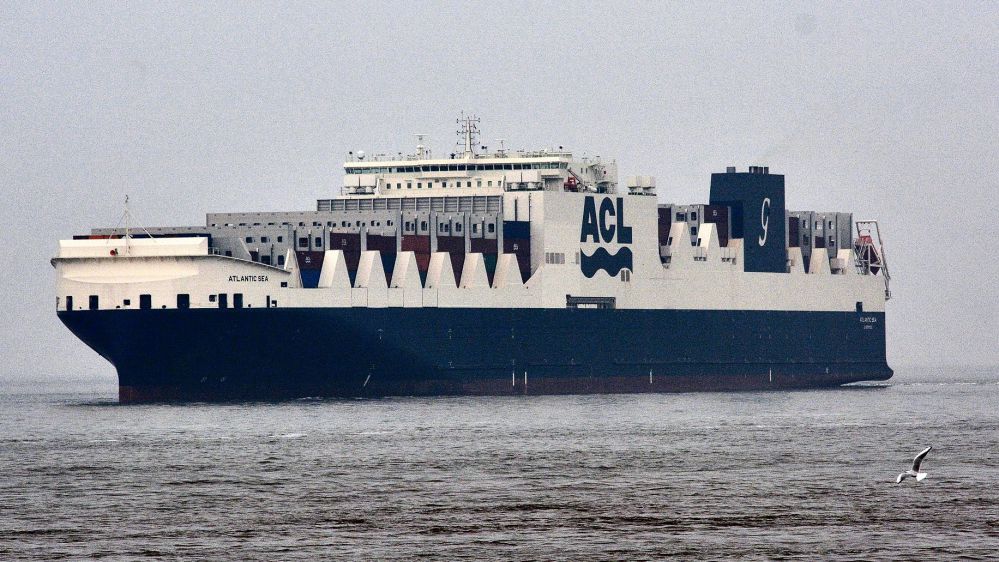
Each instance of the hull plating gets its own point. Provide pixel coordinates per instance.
(210, 354)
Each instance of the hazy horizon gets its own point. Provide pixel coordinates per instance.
(888, 111)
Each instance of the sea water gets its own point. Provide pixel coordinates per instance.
(761, 475)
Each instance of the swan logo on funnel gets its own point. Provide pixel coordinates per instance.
(605, 226)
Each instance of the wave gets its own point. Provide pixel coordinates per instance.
(602, 259)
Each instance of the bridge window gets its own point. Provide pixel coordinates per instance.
(303, 242)
(264, 239)
(280, 260)
(492, 228)
(249, 240)
(319, 242)
(145, 301)
(280, 239)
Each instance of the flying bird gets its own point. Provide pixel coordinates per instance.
(914, 471)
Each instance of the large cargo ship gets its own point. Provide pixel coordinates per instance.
(485, 272)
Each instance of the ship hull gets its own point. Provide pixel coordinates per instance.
(284, 353)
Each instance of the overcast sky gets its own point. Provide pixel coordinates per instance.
(887, 110)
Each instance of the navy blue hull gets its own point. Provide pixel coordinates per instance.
(277, 353)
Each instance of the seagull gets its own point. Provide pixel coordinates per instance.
(914, 471)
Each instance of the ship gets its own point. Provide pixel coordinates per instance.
(485, 272)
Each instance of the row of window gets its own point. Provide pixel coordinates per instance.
(183, 301)
(344, 224)
(555, 258)
(264, 259)
(264, 239)
(681, 217)
(145, 302)
(443, 184)
(457, 168)
(303, 242)
(410, 226)
(329, 224)
(806, 241)
(818, 224)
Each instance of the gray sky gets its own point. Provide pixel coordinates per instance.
(886, 110)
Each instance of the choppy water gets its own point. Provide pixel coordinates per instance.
(785, 475)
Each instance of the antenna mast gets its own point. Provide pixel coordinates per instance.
(128, 216)
(468, 135)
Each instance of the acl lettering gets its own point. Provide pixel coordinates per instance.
(605, 226)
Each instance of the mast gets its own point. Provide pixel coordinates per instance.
(127, 218)
(468, 135)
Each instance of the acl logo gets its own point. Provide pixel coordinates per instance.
(764, 220)
(605, 227)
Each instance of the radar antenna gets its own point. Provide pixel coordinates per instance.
(468, 136)
(421, 150)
